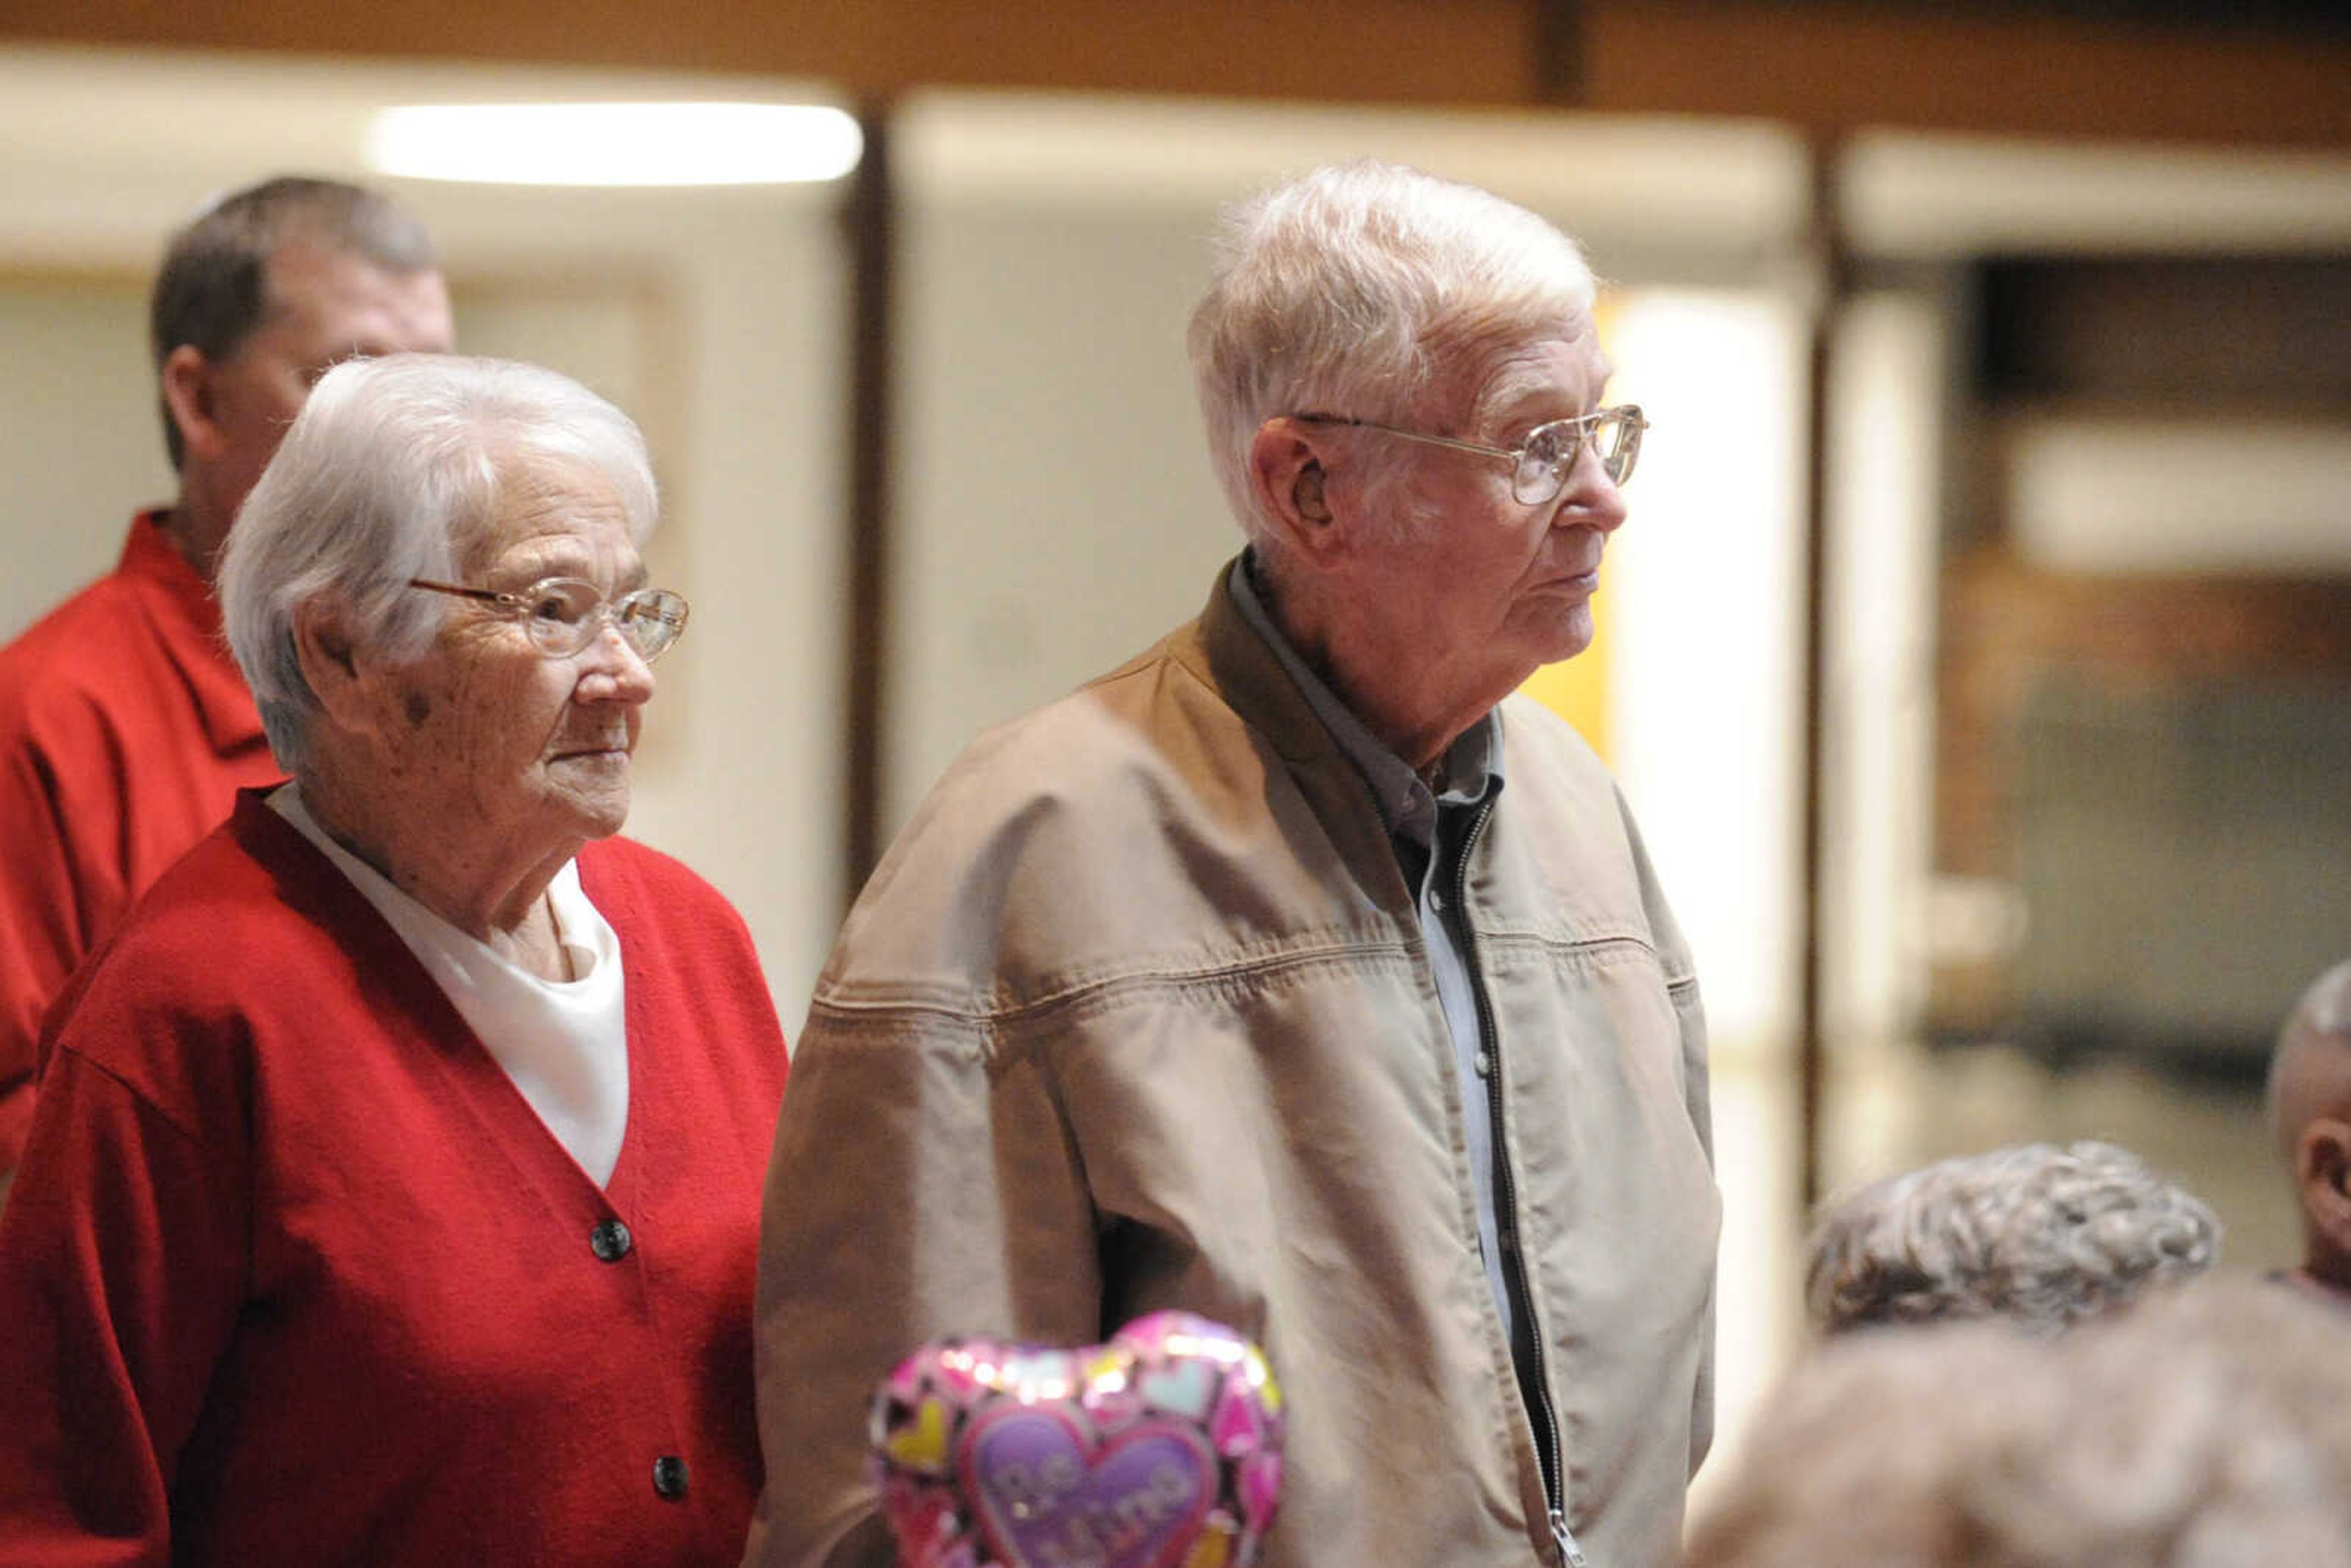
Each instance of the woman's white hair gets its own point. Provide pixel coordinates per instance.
(396, 466)
(2041, 1236)
(1353, 288)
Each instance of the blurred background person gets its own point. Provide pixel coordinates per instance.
(2280, 1348)
(2310, 1113)
(125, 728)
(2041, 1235)
(2203, 1429)
(393, 1192)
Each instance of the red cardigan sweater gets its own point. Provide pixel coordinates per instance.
(293, 1274)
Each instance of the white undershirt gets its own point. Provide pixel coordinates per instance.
(565, 1044)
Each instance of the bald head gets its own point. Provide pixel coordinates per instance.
(2310, 1073)
(2310, 1115)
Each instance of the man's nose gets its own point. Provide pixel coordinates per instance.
(1591, 498)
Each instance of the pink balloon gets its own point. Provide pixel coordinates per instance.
(1161, 1449)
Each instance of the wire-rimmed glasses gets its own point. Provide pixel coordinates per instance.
(564, 614)
(1540, 464)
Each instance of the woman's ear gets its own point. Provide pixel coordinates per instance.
(1291, 487)
(339, 677)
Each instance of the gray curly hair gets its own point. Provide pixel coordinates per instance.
(2037, 1234)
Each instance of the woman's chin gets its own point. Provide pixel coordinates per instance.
(587, 813)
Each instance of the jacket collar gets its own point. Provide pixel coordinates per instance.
(1407, 803)
(1224, 650)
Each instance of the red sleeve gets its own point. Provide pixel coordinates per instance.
(122, 1263)
(49, 901)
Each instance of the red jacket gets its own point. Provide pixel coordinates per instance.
(125, 734)
(293, 1274)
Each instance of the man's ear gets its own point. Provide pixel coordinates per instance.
(2322, 1168)
(332, 665)
(1292, 488)
(191, 401)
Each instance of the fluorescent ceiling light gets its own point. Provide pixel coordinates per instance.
(615, 143)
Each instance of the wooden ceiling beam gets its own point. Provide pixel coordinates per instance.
(1826, 67)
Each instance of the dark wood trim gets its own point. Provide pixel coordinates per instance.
(869, 218)
(1822, 66)
(1838, 68)
(1558, 26)
(1835, 270)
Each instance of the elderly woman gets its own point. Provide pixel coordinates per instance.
(393, 1192)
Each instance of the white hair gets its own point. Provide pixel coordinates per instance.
(2036, 1234)
(395, 466)
(1353, 289)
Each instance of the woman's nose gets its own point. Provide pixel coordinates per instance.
(616, 671)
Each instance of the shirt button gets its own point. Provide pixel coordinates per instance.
(609, 1241)
(669, 1476)
(1485, 1064)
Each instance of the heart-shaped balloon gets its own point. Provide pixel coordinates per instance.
(1161, 1449)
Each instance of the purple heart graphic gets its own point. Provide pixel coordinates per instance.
(1049, 1499)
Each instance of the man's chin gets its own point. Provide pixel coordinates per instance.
(1565, 635)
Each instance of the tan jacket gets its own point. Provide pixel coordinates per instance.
(1136, 1014)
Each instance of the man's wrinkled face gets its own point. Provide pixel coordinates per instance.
(1493, 588)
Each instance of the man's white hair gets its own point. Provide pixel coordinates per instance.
(1356, 287)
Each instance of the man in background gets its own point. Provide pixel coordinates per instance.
(2310, 1110)
(125, 729)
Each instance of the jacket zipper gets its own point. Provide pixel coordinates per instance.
(1506, 1215)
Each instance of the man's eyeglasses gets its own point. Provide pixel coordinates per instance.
(1540, 464)
(563, 614)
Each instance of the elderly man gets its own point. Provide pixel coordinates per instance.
(1297, 974)
(125, 729)
(2310, 1110)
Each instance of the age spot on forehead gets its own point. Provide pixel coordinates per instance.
(418, 707)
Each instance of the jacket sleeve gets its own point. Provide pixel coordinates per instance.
(48, 900)
(121, 1270)
(920, 1188)
(1690, 1016)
